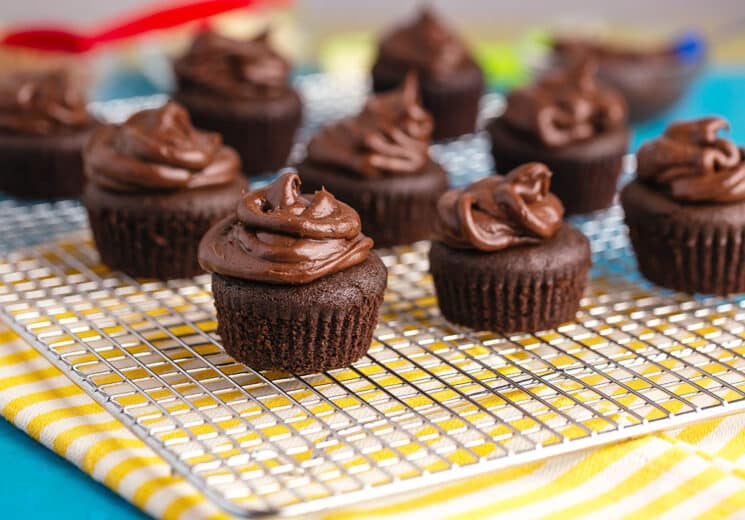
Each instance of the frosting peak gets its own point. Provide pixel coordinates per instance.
(43, 103)
(426, 45)
(391, 136)
(565, 107)
(233, 68)
(498, 212)
(694, 163)
(158, 149)
(281, 236)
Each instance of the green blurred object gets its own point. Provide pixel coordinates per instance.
(347, 53)
(510, 65)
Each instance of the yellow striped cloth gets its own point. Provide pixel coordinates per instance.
(693, 472)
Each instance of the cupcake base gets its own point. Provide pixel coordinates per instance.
(694, 248)
(46, 167)
(156, 235)
(452, 101)
(393, 210)
(585, 175)
(261, 131)
(326, 324)
(519, 289)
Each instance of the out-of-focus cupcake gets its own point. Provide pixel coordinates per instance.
(378, 162)
(155, 185)
(650, 79)
(44, 124)
(451, 83)
(574, 126)
(240, 88)
(686, 209)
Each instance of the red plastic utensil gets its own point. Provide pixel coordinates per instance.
(55, 38)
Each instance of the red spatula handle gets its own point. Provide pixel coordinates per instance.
(58, 39)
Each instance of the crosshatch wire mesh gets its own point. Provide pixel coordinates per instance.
(430, 402)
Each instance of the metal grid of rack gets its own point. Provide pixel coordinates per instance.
(430, 402)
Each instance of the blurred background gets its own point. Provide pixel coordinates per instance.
(510, 40)
(489, 19)
(339, 36)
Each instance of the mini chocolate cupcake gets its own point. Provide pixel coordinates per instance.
(686, 209)
(240, 89)
(296, 286)
(503, 259)
(575, 127)
(451, 82)
(378, 162)
(155, 187)
(651, 80)
(44, 124)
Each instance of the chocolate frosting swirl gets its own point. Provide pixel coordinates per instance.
(391, 136)
(565, 107)
(426, 45)
(694, 163)
(42, 103)
(498, 212)
(243, 69)
(158, 149)
(281, 236)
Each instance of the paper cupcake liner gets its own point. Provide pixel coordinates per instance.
(285, 328)
(485, 299)
(42, 167)
(157, 238)
(263, 139)
(691, 257)
(158, 246)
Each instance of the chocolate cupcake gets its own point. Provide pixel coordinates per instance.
(502, 258)
(378, 162)
(686, 209)
(296, 286)
(575, 127)
(155, 187)
(44, 124)
(451, 83)
(240, 89)
(651, 80)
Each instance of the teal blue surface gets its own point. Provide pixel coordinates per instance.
(36, 483)
(720, 91)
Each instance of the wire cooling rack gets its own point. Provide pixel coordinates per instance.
(430, 402)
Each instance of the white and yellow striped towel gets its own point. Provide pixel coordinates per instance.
(694, 472)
